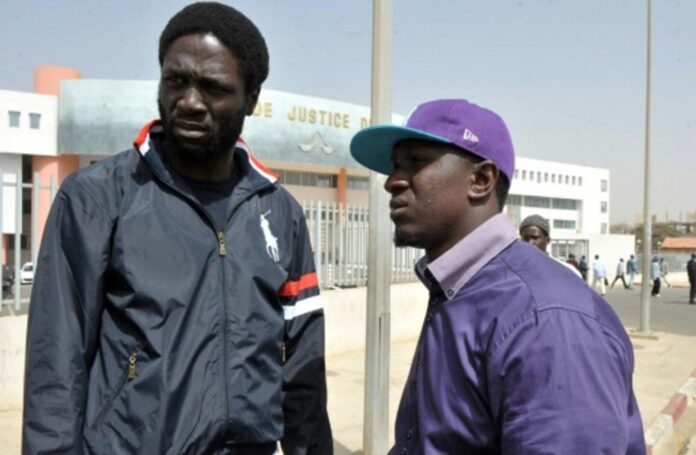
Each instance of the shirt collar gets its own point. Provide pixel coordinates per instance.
(454, 268)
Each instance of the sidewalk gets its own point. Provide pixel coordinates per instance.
(662, 366)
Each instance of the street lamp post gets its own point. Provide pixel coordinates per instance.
(376, 411)
(647, 222)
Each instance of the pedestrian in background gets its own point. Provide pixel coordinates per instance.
(632, 269)
(536, 231)
(620, 272)
(664, 271)
(599, 275)
(574, 262)
(516, 356)
(691, 272)
(655, 276)
(583, 267)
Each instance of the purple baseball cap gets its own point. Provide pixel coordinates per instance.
(472, 128)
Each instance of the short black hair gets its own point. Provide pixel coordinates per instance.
(231, 27)
(502, 188)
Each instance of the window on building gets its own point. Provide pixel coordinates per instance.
(524, 175)
(573, 180)
(580, 181)
(546, 177)
(13, 118)
(603, 228)
(567, 179)
(358, 183)
(553, 178)
(324, 180)
(517, 173)
(514, 199)
(605, 185)
(531, 175)
(537, 201)
(34, 121)
(538, 177)
(307, 178)
(564, 204)
(603, 206)
(564, 224)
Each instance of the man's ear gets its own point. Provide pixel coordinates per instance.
(252, 99)
(484, 176)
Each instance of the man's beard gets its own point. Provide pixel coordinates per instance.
(403, 238)
(221, 139)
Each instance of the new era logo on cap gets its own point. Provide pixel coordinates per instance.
(469, 136)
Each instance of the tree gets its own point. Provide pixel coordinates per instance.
(621, 228)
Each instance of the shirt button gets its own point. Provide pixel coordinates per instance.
(450, 293)
(409, 435)
(403, 451)
(429, 318)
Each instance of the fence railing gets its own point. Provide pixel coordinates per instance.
(10, 275)
(339, 234)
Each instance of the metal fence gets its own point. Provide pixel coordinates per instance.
(11, 288)
(339, 234)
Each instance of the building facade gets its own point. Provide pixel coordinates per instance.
(71, 123)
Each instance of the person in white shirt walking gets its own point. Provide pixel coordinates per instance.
(599, 275)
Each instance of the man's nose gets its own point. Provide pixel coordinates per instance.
(191, 101)
(396, 182)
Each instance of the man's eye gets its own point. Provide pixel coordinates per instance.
(174, 80)
(216, 88)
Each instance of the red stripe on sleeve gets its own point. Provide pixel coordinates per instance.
(293, 288)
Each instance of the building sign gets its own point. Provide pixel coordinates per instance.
(101, 117)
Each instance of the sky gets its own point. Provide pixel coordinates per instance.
(567, 76)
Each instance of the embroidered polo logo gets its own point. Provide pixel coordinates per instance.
(469, 136)
(271, 240)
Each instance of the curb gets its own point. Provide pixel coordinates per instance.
(660, 430)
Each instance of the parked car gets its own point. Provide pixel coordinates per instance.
(26, 273)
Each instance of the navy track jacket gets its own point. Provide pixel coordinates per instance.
(153, 331)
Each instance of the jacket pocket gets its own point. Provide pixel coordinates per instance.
(129, 372)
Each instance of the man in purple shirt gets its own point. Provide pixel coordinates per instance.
(516, 355)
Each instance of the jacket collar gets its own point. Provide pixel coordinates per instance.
(254, 175)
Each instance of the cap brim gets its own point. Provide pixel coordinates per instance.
(373, 146)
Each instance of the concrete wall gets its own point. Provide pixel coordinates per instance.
(345, 331)
(610, 249)
(13, 333)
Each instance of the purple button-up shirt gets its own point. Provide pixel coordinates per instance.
(516, 356)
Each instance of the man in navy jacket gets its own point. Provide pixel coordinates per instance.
(176, 306)
(516, 355)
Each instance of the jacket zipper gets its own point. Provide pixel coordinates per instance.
(221, 243)
(222, 249)
(129, 373)
(132, 367)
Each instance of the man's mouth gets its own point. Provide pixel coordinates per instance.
(397, 207)
(190, 130)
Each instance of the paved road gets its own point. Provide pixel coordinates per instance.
(671, 313)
